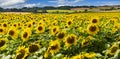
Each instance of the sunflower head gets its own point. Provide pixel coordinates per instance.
(40, 29)
(12, 32)
(61, 35)
(90, 55)
(54, 47)
(33, 48)
(55, 30)
(3, 42)
(2, 30)
(70, 40)
(94, 20)
(92, 29)
(4, 24)
(113, 49)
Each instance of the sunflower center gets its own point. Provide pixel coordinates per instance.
(94, 21)
(39, 28)
(54, 30)
(2, 43)
(114, 49)
(25, 35)
(29, 25)
(61, 35)
(93, 28)
(69, 23)
(19, 56)
(54, 47)
(70, 40)
(33, 48)
(11, 32)
(1, 30)
(5, 25)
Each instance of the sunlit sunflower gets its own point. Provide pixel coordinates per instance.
(90, 55)
(54, 47)
(3, 42)
(46, 54)
(30, 25)
(70, 40)
(40, 29)
(33, 48)
(113, 49)
(22, 53)
(41, 22)
(54, 30)
(86, 41)
(69, 22)
(61, 35)
(79, 56)
(13, 33)
(5, 24)
(26, 34)
(94, 20)
(92, 29)
(2, 30)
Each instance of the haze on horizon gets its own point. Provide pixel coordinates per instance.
(42, 3)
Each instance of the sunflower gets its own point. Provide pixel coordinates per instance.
(33, 48)
(3, 42)
(70, 40)
(92, 29)
(54, 30)
(13, 33)
(26, 34)
(46, 54)
(22, 53)
(4, 24)
(2, 30)
(86, 41)
(79, 56)
(40, 29)
(69, 22)
(54, 47)
(94, 20)
(113, 49)
(30, 25)
(90, 55)
(61, 35)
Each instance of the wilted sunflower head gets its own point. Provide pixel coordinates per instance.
(92, 29)
(70, 40)
(33, 48)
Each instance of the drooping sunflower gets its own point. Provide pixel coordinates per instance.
(33, 48)
(92, 29)
(54, 30)
(22, 53)
(113, 49)
(54, 47)
(13, 33)
(3, 42)
(26, 34)
(70, 40)
(61, 35)
(40, 29)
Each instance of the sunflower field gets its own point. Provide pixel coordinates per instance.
(60, 36)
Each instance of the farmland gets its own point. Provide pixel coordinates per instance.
(60, 36)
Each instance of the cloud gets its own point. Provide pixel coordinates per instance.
(109, 3)
(16, 4)
(65, 2)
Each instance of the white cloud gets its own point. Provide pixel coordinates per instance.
(109, 3)
(65, 2)
(16, 4)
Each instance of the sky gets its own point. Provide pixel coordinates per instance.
(42, 3)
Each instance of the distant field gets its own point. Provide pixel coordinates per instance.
(15, 12)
